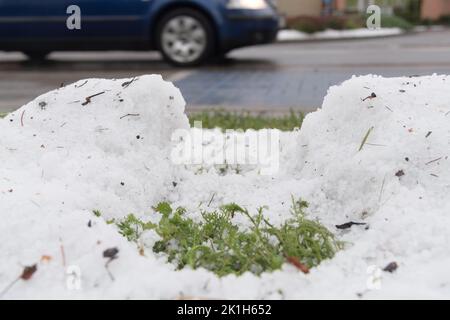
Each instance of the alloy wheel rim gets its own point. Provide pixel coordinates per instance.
(184, 39)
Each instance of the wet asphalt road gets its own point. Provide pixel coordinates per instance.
(272, 78)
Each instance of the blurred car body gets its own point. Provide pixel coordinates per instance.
(187, 32)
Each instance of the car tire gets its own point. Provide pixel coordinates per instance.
(185, 37)
(36, 55)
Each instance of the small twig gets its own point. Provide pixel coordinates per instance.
(111, 254)
(127, 84)
(376, 145)
(21, 118)
(130, 115)
(211, 200)
(382, 189)
(388, 108)
(35, 203)
(63, 254)
(432, 161)
(81, 84)
(88, 99)
(350, 224)
(372, 96)
(26, 275)
(8, 287)
(107, 269)
(300, 266)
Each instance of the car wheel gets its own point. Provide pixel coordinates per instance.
(185, 37)
(36, 55)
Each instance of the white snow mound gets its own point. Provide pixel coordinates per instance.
(381, 160)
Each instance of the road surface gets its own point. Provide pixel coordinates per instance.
(277, 77)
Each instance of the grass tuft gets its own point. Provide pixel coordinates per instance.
(245, 120)
(218, 245)
(132, 228)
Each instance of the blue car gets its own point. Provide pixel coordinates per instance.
(186, 32)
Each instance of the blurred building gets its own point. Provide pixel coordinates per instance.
(295, 8)
(426, 9)
(435, 9)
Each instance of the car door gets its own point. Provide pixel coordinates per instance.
(119, 20)
(23, 19)
(46, 20)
